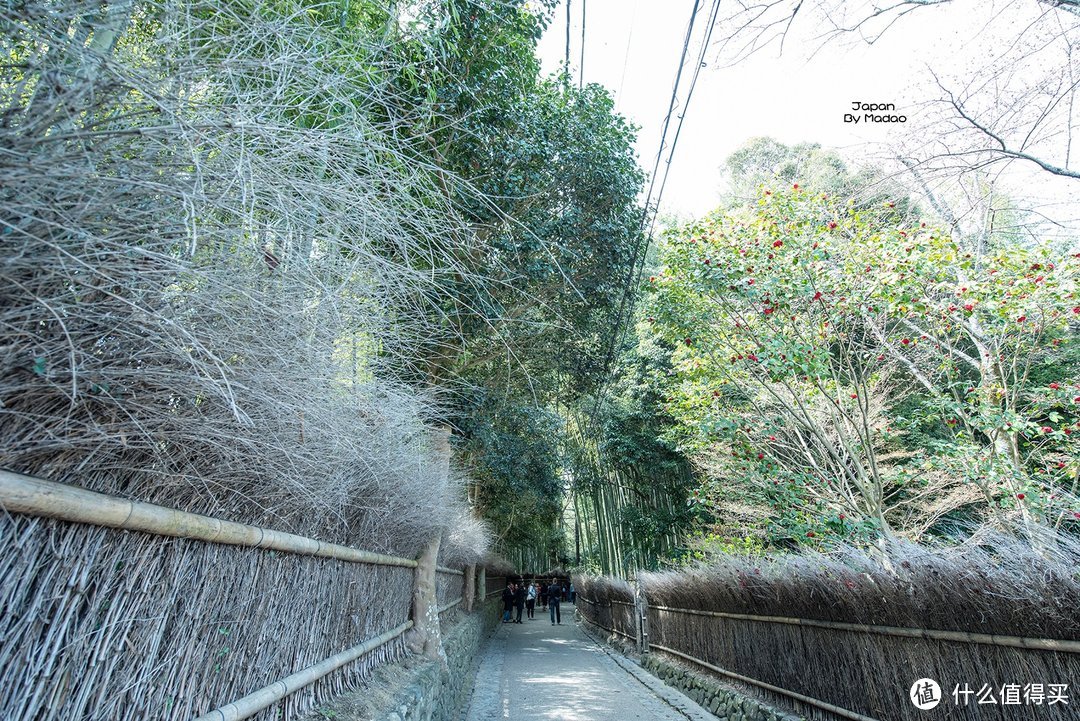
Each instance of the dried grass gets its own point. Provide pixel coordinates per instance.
(991, 584)
(215, 263)
(607, 603)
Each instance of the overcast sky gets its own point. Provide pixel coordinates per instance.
(633, 47)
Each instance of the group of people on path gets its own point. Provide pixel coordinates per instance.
(521, 598)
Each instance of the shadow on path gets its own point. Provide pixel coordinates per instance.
(534, 671)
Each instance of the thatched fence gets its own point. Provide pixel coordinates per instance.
(121, 609)
(223, 277)
(847, 635)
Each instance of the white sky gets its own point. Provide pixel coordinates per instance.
(792, 98)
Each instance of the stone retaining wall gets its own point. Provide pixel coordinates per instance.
(416, 689)
(706, 691)
(437, 692)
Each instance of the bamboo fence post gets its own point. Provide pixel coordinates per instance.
(468, 587)
(425, 637)
(481, 583)
(641, 608)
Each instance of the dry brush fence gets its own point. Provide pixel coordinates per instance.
(184, 615)
(847, 634)
(218, 267)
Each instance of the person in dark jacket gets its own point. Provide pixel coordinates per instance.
(554, 596)
(519, 601)
(508, 601)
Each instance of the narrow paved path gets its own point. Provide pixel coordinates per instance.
(534, 671)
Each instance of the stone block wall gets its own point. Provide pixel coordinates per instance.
(437, 692)
(417, 689)
(706, 691)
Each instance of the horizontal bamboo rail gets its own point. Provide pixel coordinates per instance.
(38, 497)
(452, 571)
(1037, 644)
(447, 607)
(255, 702)
(612, 630)
(824, 705)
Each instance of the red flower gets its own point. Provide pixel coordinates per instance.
(1047, 429)
(687, 341)
(795, 187)
(760, 456)
(1020, 496)
(652, 278)
(842, 516)
(817, 295)
(1055, 386)
(778, 243)
(832, 226)
(1021, 319)
(881, 357)
(1077, 310)
(809, 534)
(906, 341)
(854, 395)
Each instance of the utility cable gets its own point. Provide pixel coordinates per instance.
(581, 65)
(633, 275)
(566, 59)
(626, 56)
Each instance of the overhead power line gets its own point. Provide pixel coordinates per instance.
(567, 56)
(682, 117)
(581, 65)
(637, 258)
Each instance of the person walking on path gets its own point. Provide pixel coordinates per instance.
(573, 594)
(530, 600)
(508, 601)
(554, 596)
(519, 601)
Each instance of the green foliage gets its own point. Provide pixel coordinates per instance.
(515, 458)
(859, 374)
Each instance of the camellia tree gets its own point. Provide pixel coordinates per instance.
(862, 375)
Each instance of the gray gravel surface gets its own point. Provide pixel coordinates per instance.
(538, 672)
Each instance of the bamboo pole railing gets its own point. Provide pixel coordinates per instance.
(823, 705)
(1037, 644)
(257, 701)
(48, 499)
(611, 630)
(447, 607)
(38, 497)
(451, 571)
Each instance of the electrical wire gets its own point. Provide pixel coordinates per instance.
(626, 56)
(581, 65)
(644, 241)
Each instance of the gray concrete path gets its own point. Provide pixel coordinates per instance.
(534, 671)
